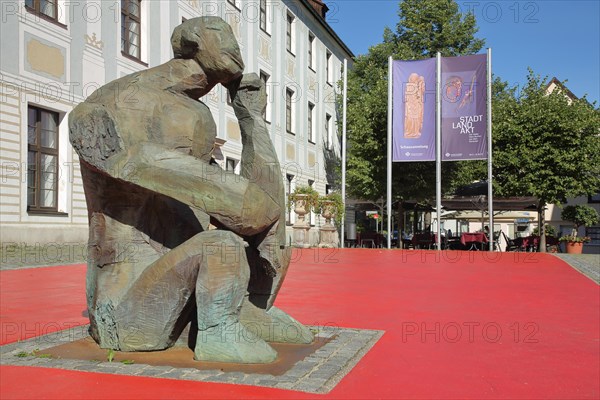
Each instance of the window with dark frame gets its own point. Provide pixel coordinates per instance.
(311, 44)
(234, 3)
(230, 164)
(289, 178)
(130, 28)
(289, 38)
(44, 8)
(593, 232)
(311, 131)
(263, 15)
(265, 78)
(311, 215)
(328, 67)
(289, 94)
(42, 160)
(228, 97)
(328, 131)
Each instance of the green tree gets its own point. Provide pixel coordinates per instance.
(580, 215)
(547, 145)
(424, 28)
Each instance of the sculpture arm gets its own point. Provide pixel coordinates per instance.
(237, 203)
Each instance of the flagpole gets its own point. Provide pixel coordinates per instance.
(389, 155)
(438, 150)
(344, 150)
(489, 149)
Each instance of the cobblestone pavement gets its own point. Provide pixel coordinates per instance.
(21, 256)
(317, 373)
(587, 264)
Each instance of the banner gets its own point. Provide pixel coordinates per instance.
(464, 110)
(414, 110)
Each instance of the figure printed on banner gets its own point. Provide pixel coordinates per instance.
(456, 93)
(414, 107)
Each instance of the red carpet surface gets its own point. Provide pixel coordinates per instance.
(457, 325)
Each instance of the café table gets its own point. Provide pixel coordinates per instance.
(424, 240)
(473, 239)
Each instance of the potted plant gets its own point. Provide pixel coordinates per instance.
(330, 206)
(304, 199)
(579, 215)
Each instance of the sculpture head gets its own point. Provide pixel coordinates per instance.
(212, 44)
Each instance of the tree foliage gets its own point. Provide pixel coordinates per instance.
(580, 215)
(424, 28)
(546, 144)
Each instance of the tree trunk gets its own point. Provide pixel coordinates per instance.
(542, 225)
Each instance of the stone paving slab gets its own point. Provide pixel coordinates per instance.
(317, 373)
(587, 264)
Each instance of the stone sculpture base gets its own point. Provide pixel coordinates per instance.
(315, 368)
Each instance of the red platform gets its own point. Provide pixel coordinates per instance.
(458, 325)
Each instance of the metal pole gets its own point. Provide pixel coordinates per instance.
(438, 149)
(489, 148)
(344, 149)
(389, 156)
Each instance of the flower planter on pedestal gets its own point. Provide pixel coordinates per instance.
(574, 247)
(328, 231)
(301, 227)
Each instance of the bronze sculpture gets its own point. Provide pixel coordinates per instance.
(173, 238)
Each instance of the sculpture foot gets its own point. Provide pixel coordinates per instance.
(292, 330)
(233, 344)
(274, 325)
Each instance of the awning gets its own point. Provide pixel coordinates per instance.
(479, 203)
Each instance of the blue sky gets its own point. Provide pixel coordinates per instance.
(554, 38)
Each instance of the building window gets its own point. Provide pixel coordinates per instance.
(264, 77)
(312, 217)
(593, 232)
(311, 46)
(289, 94)
(328, 69)
(328, 131)
(235, 3)
(228, 97)
(263, 15)
(311, 130)
(231, 164)
(595, 198)
(47, 9)
(42, 160)
(130, 28)
(289, 33)
(288, 191)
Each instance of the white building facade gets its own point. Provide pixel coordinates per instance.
(55, 53)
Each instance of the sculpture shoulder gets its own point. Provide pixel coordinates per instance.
(94, 134)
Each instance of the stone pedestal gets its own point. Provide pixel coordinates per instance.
(301, 227)
(328, 231)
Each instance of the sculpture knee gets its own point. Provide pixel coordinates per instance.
(223, 246)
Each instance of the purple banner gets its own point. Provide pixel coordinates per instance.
(413, 110)
(464, 111)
